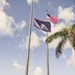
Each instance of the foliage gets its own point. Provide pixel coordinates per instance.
(64, 34)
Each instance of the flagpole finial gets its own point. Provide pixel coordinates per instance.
(46, 11)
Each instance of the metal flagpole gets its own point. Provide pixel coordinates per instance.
(47, 53)
(47, 57)
(29, 40)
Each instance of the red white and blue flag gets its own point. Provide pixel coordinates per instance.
(51, 18)
(43, 25)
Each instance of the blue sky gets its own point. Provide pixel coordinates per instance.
(14, 23)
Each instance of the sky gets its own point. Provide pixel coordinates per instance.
(14, 24)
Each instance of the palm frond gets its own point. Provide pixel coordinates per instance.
(73, 27)
(73, 44)
(60, 46)
(62, 33)
(72, 38)
(72, 41)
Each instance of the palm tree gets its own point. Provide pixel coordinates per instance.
(65, 34)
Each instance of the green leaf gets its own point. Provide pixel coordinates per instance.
(62, 33)
(60, 46)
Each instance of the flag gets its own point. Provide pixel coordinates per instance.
(43, 25)
(52, 19)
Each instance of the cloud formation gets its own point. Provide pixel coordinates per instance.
(72, 59)
(17, 66)
(66, 14)
(3, 3)
(21, 25)
(7, 23)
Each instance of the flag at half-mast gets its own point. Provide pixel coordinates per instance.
(43, 25)
(51, 18)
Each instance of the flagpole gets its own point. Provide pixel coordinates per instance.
(47, 53)
(47, 57)
(29, 40)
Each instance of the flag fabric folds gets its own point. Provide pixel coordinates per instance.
(43, 25)
(51, 18)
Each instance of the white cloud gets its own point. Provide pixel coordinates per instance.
(21, 25)
(70, 60)
(3, 3)
(30, 1)
(66, 14)
(64, 56)
(17, 66)
(38, 71)
(22, 44)
(35, 41)
(57, 27)
(6, 24)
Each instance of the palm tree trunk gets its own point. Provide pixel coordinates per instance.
(73, 56)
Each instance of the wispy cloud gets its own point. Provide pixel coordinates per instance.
(71, 60)
(17, 66)
(21, 25)
(64, 56)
